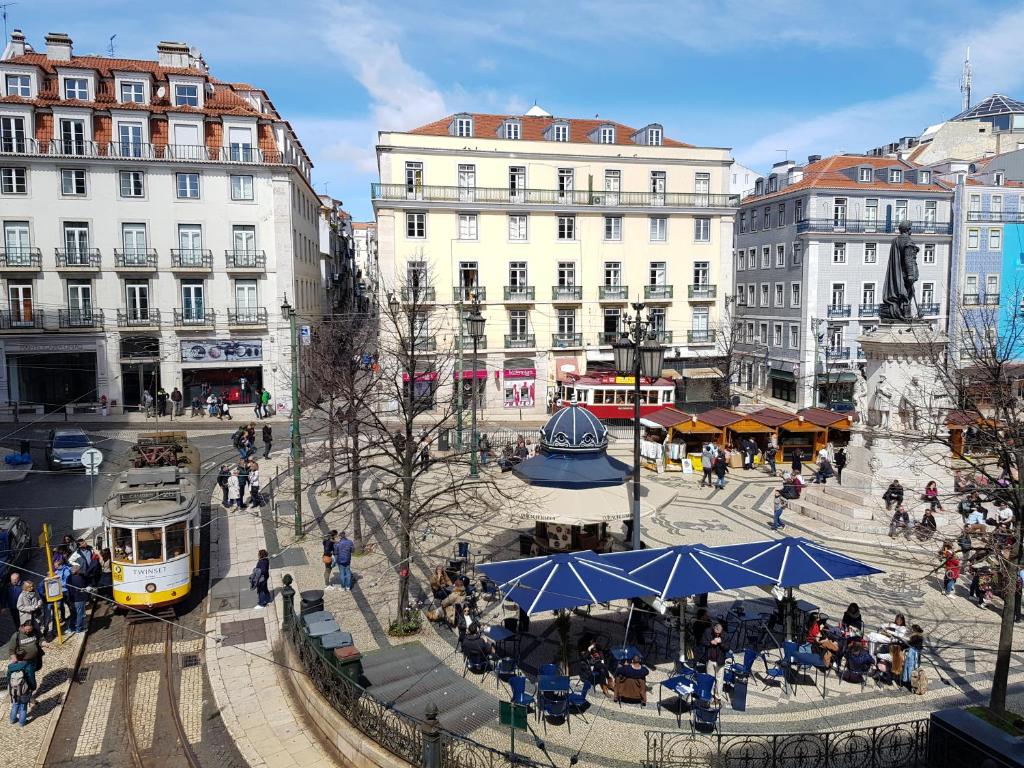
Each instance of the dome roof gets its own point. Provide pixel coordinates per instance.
(574, 429)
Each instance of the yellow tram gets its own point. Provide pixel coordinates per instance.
(152, 522)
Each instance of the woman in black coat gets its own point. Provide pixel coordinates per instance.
(262, 574)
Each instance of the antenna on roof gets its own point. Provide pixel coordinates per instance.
(3, 12)
(965, 83)
(785, 154)
(110, 46)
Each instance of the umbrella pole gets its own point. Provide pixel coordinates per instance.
(682, 631)
(629, 619)
(788, 609)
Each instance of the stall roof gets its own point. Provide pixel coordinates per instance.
(961, 418)
(666, 417)
(824, 418)
(771, 417)
(701, 373)
(720, 417)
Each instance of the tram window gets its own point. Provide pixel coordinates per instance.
(122, 540)
(620, 397)
(598, 397)
(150, 543)
(176, 539)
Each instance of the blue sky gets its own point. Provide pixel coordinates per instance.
(795, 75)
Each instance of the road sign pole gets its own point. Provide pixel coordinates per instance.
(54, 609)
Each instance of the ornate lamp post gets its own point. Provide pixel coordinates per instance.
(475, 323)
(638, 353)
(288, 312)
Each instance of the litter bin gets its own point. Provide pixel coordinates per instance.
(444, 441)
(349, 663)
(312, 600)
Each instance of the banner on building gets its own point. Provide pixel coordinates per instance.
(222, 351)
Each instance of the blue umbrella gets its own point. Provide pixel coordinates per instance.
(564, 580)
(686, 569)
(573, 470)
(793, 560)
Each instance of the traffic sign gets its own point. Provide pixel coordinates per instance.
(91, 460)
(306, 335)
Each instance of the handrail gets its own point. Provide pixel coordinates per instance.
(432, 193)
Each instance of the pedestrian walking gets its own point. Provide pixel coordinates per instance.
(161, 401)
(343, 559)
(769, 457)
(254, 485)
(232, 488)
(328, 556)
(176, 402)
(259, 579)
(30, 607)
(721, 467)
(21, 682)
(268, 440)
(952, 573)
(840, 462)
(257, 399)
(243, 481)
(707, 462)
(222, 480)
(265, 399)
(778, 507)
(78, 591)
(147, 403)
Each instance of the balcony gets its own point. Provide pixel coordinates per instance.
(135, 260)
(140, 150)
(193, 318)
(702, 292)
(421, 345)
(665, 337)
(246, 260)
(996, 216)
(78, 259)
(867, 310)
(657, 292)
(520, 341)
(21, 259)
(700, 337)
(503, 196)
(247, 317)
(72, 148)
(929, 308)
(420, 294)
(613, 292)
(573, 293)
(12, 145)
(604, 338)
(467, 342)
(191, 259)
(870, 226)
(79, 319)
(21, 319)
(139, 318)
(466, 293)
(566, 340)
(838, 310)
(837, 353)
(972, 299)
(519, 294)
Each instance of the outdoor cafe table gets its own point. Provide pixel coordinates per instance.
(623, 654)
(500, 636)
(682, 685)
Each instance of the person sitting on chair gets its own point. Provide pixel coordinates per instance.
(440, 583)
(474, 645)
(631, 681)
(852, 618)
(594, 670)
(859, 661)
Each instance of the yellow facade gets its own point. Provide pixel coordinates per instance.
(614, 193)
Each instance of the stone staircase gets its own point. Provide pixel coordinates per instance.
(840, 508)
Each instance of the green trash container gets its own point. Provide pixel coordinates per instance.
(348, 661)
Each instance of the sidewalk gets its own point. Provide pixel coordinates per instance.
(254, 702)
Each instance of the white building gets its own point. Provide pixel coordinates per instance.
(154, 217)
(364, 240)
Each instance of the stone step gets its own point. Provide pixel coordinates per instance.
(820, 496)
(843, 520)
(851, 495)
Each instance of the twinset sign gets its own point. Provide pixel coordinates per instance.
(520, 373)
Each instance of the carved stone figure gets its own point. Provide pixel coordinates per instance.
(882, 403)
(900, 275)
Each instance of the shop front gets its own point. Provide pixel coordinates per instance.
(518, 382)
(836, 387)
(783, 384)
(421, 389)
(54, 374)
(474, 378)
(230, 368)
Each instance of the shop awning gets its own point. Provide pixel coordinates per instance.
(701, 373)
(838, 377)
(775, 373)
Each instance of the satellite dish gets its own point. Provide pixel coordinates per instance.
(161, 92)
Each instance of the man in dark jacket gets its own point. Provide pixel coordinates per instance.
(78, 593)
(268, 439)
(840, 464)
(26, 638)
(11, 594)
(222, 481)
(343, 559)
(243, 480)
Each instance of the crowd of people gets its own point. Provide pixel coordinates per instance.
(233, 480)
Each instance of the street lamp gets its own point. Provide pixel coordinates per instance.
(288, 312)
(475, 322)
(638, 352)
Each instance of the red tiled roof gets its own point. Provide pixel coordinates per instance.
(771, 417)
(105, 66)
(364, 225)
(821, 417)
(533, 128)
(668, 417)
(720, 417)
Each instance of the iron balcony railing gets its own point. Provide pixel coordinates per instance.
(872, 226)
(21, 258)
(657, 292)
(246, 259)
(18, 145)
(564, 340)
(73, 147)
(1009, 216)
(608, 337)
(702, 291)
(467, 342)
(980, 300)
(566, 292)
(79, 258)
(135, 258)
(929, 308)
(837, 352)
(21, 319)
(134, 317)
(80, 318)
(520, 340)
(838, 310)
(867, 310)
(421, 293)
(519, 293)
(570, 197)
(699, 337)
(247, 316)
(665, 337)
(191, 258)
(185, 318)
(421, 344)
(613, 292)
(469, 293)
(139, 150)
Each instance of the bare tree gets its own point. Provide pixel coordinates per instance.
(728, 335)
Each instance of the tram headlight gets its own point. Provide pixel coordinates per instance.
(151, 587)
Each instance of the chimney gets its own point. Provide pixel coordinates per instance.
(58, 47)
(173, 55)
(813, 159)
(17, 45)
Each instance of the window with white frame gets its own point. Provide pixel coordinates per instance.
(971, 285)
(798, 210)
(72, 182)
(762, 333)
(838, 298)
(767, 214)
(560, 132)
(743, 222)
(925, 177)
(659, 229)
(794, 337)
(612, 274)
(998, 178)
(512, 130)
(188, 186)
(995, 239)
(974, 203)
(777, 334)
(566, 274)
(927, 293)
(741, 260)
(996, 204)
(517, 324)
(752, 259)
(701, 273)
(929, 254)
(566, 227)
(607, 135)
(241, 187)
(566, 182)
(780, 255)
(931, 208)
(779, 295)
(76, 88)
(19, 85)
(766, 257)
(781, 215)
(867, 294)
(764, 295)
(613, 228)
(748, 336)
(839, 253)
(973, 238)
(416, 224)
(516, 181)
(657, 273)
(186, 95)
(133, 183)
(467, 226)
(13, 181)
(133, 92)
(517, 227)
(992, 286)
(797, 254)
(517, 274)
(900, 211)
(895, 176)
(566, 322)
(654, 137)
(870, 253)
(864, 174)
(794, 294)
(751, 297)
(871, 214)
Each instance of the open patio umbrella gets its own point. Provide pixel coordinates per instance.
(792, 561)
(564, 580)
(573, 470)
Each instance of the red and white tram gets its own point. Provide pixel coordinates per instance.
(610, 396)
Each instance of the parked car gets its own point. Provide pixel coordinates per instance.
(14, 544)
(64, 448)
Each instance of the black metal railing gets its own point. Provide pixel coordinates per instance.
(519, 293)
(894, 745)
(139, 150)
(520, 340)
(422, 293)
(467, 342)
(657, 292)
(700, 337)
(78, 258)
(246, 259)
(838, 310)
(424, 344)
(191, 258)
(867, 310)
(665, 337)
(75, 147)
(566, 292)
(563, 340)
(702, 291)
(613, 292)
(972, 299)
(21, 319)
(137, 316)
(135, 258)
(980, 300)
(608, 337)
(131, 149)
(1010, 216)
(21, 258)
(247, 316)
(469, 292)
(80, 318)
(871, 226)
(570, 197)
(837, 352)
(186, 318)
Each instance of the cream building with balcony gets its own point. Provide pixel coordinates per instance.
(557, 225)
(153, 218)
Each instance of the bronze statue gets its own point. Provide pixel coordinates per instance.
(900, 276)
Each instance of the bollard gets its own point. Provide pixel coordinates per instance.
(431, 738)
(288, 599)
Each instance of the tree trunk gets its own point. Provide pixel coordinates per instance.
(404, 555)
(357, 516)
(331, 465)
(997, 699)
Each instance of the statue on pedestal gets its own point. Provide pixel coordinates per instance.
(882, 403)
(900, 275)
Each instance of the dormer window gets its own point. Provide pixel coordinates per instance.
(998, 178)
(464, 126)
(895, 176)
(924, 177)
(654, 137)
(606, 135)
(19, 85)
(773, 183)
(560, 132)
(133, 92)
(864, 175)
(186, 95)
(76, 89)
(513, 130)
(759, 187)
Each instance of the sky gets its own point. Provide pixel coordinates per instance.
(771, 78)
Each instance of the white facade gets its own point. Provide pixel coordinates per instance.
(131, 261)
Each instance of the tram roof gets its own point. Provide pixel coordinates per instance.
(151, 496)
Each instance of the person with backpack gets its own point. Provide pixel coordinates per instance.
(268, 440)
(707, 461)
(343, 559)
(259, 578)
(21, 682)
(328, 556)
(26, 639)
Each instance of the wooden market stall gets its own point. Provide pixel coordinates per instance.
(770, 419)
(695, 433)
(656, 441)
(811, 430)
